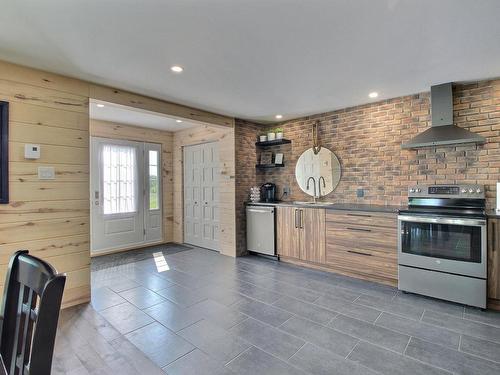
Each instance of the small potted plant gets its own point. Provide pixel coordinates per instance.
(263, 137)
(279, 133)
(271, 135)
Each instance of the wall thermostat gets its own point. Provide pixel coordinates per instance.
(31, 151)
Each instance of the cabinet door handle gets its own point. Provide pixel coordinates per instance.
(296, 221)
(361, 215)
(493, 236)
(301, 219)
(359, 229)
(359, 253)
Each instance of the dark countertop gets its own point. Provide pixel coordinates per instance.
(334, 206)
(493, 213)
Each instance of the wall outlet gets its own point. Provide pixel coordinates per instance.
(360, 193)
(286, 190)
(46, 173)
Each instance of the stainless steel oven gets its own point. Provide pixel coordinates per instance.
(442, 243)
(448, 244)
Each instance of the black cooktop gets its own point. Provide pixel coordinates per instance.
(458, 207)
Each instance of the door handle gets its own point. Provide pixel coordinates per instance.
(296, 225)
(302, 219)
(493, 236)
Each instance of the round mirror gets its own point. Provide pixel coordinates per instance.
(323, 167)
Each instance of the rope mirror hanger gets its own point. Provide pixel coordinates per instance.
(316, 146)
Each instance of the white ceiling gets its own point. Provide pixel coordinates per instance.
(256, 58)
(137, 117)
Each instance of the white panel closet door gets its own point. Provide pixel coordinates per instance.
(201, 195)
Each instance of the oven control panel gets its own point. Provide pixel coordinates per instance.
(447, 191)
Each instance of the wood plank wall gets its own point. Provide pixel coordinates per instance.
(225, 137)
(115, 130)
(51, 218)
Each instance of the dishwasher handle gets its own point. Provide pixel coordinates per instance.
(260, 211)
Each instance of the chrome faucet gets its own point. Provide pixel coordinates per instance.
(307, 187)
(319, 185)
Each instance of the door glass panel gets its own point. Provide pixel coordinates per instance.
(119, 178)
(446, 241)
(154, 193)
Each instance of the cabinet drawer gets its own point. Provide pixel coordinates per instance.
(381, 239)
(378, 219)
(364, 262)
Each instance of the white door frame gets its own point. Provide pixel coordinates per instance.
(148, 235)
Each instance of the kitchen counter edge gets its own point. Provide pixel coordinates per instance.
(334, 206)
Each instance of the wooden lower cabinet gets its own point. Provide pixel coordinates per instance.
(301, 233)
(363, 245)
(288, 232)
(494, 262)
(353, 243)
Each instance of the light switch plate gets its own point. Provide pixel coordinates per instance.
(286, 190)
(31, 151)
(46, 173)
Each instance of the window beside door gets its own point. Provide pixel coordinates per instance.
(153, 180)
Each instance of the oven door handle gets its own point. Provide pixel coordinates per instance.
(443, 220)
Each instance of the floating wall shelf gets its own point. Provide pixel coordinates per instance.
(268, 166)
(276, 142)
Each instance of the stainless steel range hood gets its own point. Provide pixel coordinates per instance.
(442, 131)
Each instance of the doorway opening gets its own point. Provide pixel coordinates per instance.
(137, 196)
(131, 184)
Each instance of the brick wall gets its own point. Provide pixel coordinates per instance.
(367, 140)
(245, 138)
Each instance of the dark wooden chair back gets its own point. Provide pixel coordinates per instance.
(30, 310)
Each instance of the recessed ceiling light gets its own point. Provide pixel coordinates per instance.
(373, 94)
(178, 120)
(177, 69)
(279, 117)
(100, 105)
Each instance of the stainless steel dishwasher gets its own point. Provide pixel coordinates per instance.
(261, 229)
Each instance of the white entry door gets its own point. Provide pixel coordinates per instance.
(125, 194)
(201, 195)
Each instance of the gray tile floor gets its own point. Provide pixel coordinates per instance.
(192, 311)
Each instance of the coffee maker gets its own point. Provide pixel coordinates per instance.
(268, 192)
